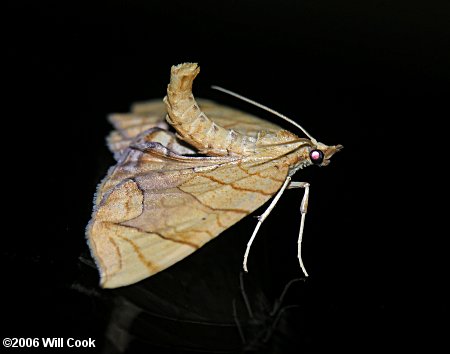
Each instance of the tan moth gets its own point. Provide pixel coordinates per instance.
(162, 201)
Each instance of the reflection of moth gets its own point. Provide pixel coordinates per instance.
(170, 193)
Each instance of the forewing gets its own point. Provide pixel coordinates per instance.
(235, 119)
(129, 125)
(156, 207)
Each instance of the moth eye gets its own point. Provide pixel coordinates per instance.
(316, 157)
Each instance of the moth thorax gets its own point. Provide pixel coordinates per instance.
(302, 160)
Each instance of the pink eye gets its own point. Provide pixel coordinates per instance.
(316, 156)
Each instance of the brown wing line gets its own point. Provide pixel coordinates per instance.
(232, 210)
(148, 264)
(156, 206)
(193, 245)
(234, 186)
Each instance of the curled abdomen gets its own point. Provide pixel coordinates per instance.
(192, 125)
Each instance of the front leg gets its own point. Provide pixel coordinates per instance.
(263, 217)
(303, 210)
(288, 184)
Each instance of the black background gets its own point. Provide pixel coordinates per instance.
(372, 76)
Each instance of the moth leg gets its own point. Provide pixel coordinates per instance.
(238, 324)
(303, 209)
(263, 217)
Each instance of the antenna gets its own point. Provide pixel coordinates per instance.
(265, 108)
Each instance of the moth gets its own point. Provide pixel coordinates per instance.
(171, 192)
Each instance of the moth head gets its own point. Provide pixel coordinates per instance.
(320, 154)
